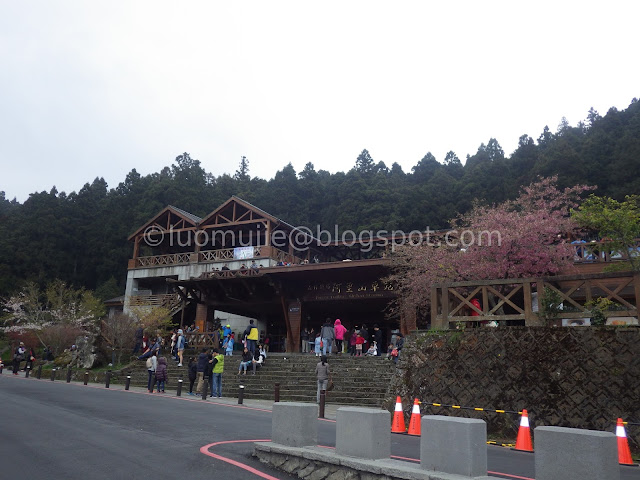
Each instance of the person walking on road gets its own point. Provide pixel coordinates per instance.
(322, 374)
(328, 336)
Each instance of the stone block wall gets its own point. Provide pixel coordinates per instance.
(581, 377)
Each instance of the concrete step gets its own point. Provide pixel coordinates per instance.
(357, 380)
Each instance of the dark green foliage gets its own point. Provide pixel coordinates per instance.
(81, 237)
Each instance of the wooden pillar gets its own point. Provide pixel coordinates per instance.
(437, 321)
(267, 238)
(285, 312)
(202, 310)
(136, 247)
(529, 317)
(184, 307)
(445, 307)
(293, 326)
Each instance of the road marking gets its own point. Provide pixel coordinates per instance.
(249, 469)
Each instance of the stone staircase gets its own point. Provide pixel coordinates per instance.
(357, 380)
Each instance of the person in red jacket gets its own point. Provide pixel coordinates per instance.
(359, 344)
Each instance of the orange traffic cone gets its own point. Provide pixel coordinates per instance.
(414, 423)
(523, 442)
(624, 454)
(398, 418)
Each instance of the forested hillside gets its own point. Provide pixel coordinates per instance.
(81, 237)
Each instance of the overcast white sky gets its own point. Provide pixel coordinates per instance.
(96, 88)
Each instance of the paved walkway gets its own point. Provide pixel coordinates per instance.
(329, 410)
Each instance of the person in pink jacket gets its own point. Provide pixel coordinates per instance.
(340, 331)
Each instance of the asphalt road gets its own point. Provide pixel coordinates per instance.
(56, 430)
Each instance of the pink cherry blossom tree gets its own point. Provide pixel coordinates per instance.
(525, 237)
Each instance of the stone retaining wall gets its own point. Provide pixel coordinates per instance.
(582, 377)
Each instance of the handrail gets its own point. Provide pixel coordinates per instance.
(219, 255)
(168, 300)
(157, 260)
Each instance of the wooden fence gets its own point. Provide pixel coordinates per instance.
(520, 299)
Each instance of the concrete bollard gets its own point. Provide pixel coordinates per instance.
(205, 389)
(363, 433)
(107, 379)
(127, 382)
(179, 390)
(294, 424)
(69, 375)
(86, 378)
(240, 394)
(575, 454)
(454, 445)
(39, 372)
(53, 374)
(323, 399)
(1, 367)
(276, 392)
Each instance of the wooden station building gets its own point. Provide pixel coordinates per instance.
(241, 260)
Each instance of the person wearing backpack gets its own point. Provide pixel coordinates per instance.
(152, 364)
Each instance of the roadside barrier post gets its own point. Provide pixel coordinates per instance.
(86, 377)
(363, 433)
(1, 367)
(27, 370)
(276, 393)
(240, 394)
(127, 382)
(179, 391)
(108, 379)
(575, 454)
(454, 445)
(294, 424)
(68, 374)
(53, 374)
(205, 390)
(39, 373)
(322, 400)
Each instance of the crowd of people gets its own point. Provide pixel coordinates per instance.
(208, 366)
(358, 341)
(28, 355)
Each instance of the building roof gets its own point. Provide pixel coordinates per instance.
(194, 218)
